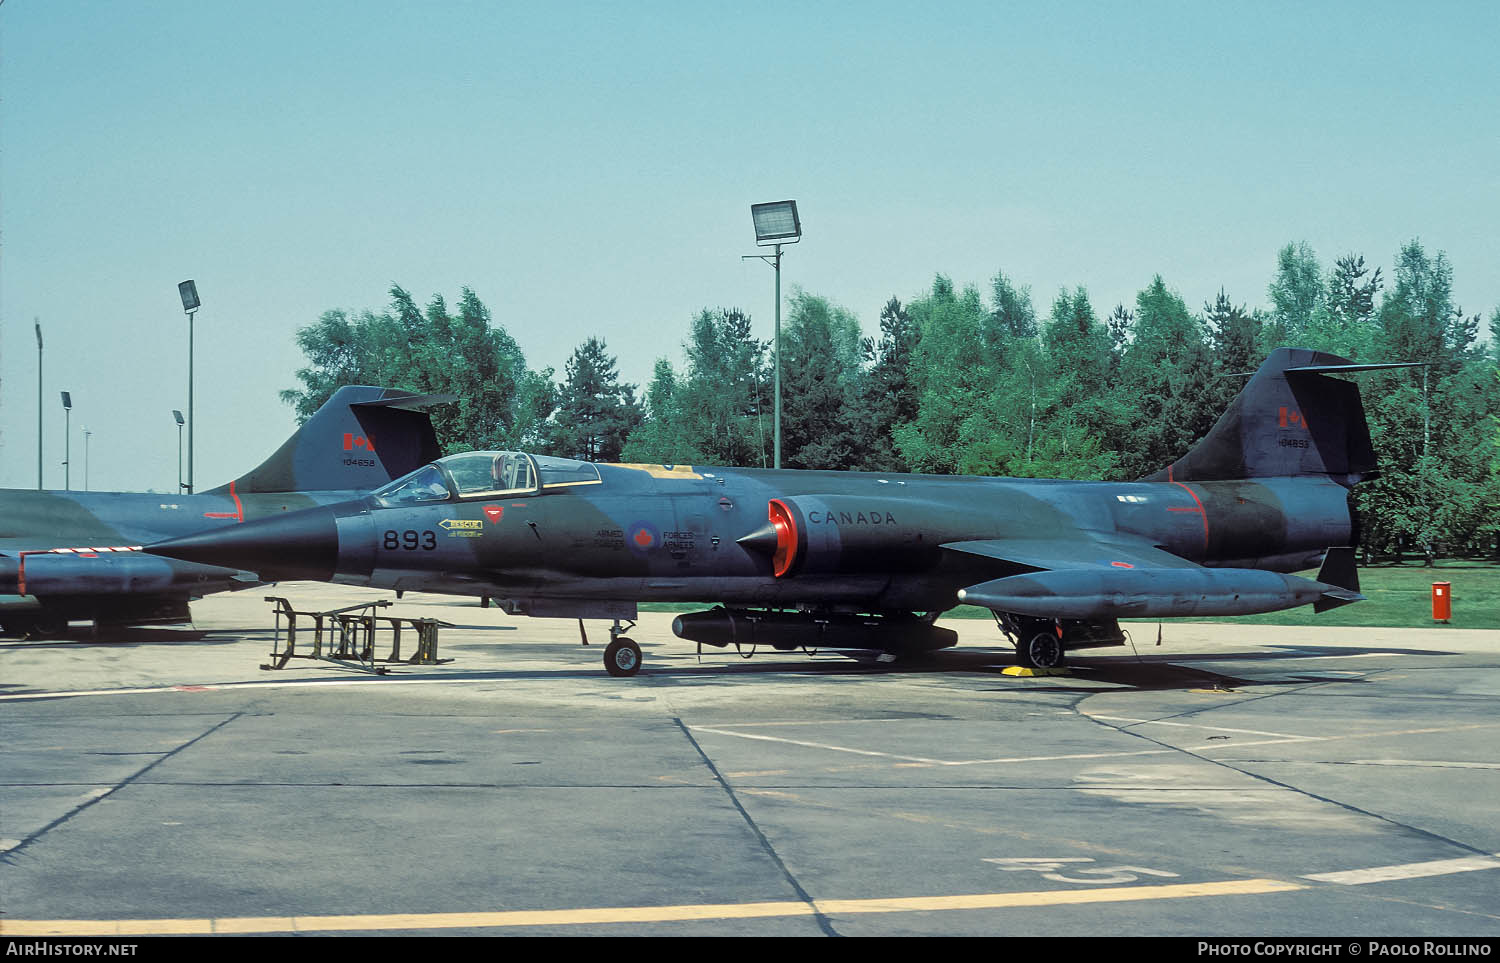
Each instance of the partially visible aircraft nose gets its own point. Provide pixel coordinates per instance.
(299, 545)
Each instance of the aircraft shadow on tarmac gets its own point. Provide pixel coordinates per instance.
(1149, 673)
(119, 637)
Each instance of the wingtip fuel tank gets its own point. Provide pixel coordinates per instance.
(1146, 593)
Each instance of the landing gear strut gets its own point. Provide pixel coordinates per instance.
(622, 657)
(1038, 642)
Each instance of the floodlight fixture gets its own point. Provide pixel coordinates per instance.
(189, 293)
(776, 222)
(177, 415)
(67, 400)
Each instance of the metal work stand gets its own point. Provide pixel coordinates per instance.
(351, 637)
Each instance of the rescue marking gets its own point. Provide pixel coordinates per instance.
(595, 916)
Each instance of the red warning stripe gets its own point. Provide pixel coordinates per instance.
(1199, 510)
(90, 552)
(239, 510)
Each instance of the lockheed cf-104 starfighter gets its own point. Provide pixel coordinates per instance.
(865, 560)
(67, 556)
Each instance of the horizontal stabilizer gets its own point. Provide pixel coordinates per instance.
(1352, 368)
(406, 402)
(1341, 575)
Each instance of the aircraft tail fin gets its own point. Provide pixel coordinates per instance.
(1290, 419)
(360, 439)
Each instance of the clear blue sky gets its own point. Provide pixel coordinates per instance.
(588, 169)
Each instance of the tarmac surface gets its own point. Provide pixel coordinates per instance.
(1246, 781)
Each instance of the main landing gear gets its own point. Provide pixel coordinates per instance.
(1045, 643)
(1041, 649)
(622, 657)
(1038, 642)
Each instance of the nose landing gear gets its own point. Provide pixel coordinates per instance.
(622, 657)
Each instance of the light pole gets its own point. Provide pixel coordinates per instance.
(776, 223)
(67, 400)
(190, 303)
(86, 434)
(178, 415)
(38, 403)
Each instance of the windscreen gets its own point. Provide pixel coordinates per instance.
(426, 484)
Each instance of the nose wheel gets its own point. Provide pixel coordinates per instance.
(622, 657)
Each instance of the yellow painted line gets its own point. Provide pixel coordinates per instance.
(635, 914)
(1382, 874)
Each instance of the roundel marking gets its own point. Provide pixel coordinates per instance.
(643, 537)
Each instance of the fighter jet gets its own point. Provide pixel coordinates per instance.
(68, 556)
(866, 560)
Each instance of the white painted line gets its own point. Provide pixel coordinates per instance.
(1430, 763)
(1189, 725)
(1288, 739)
(1381, 874)
(818, 745)
(932, 762)
(818, 722)
(1075, 755)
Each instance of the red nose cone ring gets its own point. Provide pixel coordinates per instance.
(786, 537)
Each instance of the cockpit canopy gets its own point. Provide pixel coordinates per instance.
(486, 474)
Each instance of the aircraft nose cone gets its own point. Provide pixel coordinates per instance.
(300, 545)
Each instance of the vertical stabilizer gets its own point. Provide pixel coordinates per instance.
(360, 439)
(1292, 419)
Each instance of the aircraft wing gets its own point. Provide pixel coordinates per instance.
(1090, 551)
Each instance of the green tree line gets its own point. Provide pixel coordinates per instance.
(964, 380)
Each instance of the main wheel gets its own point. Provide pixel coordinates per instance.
(1041, 650)
(622, 657)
